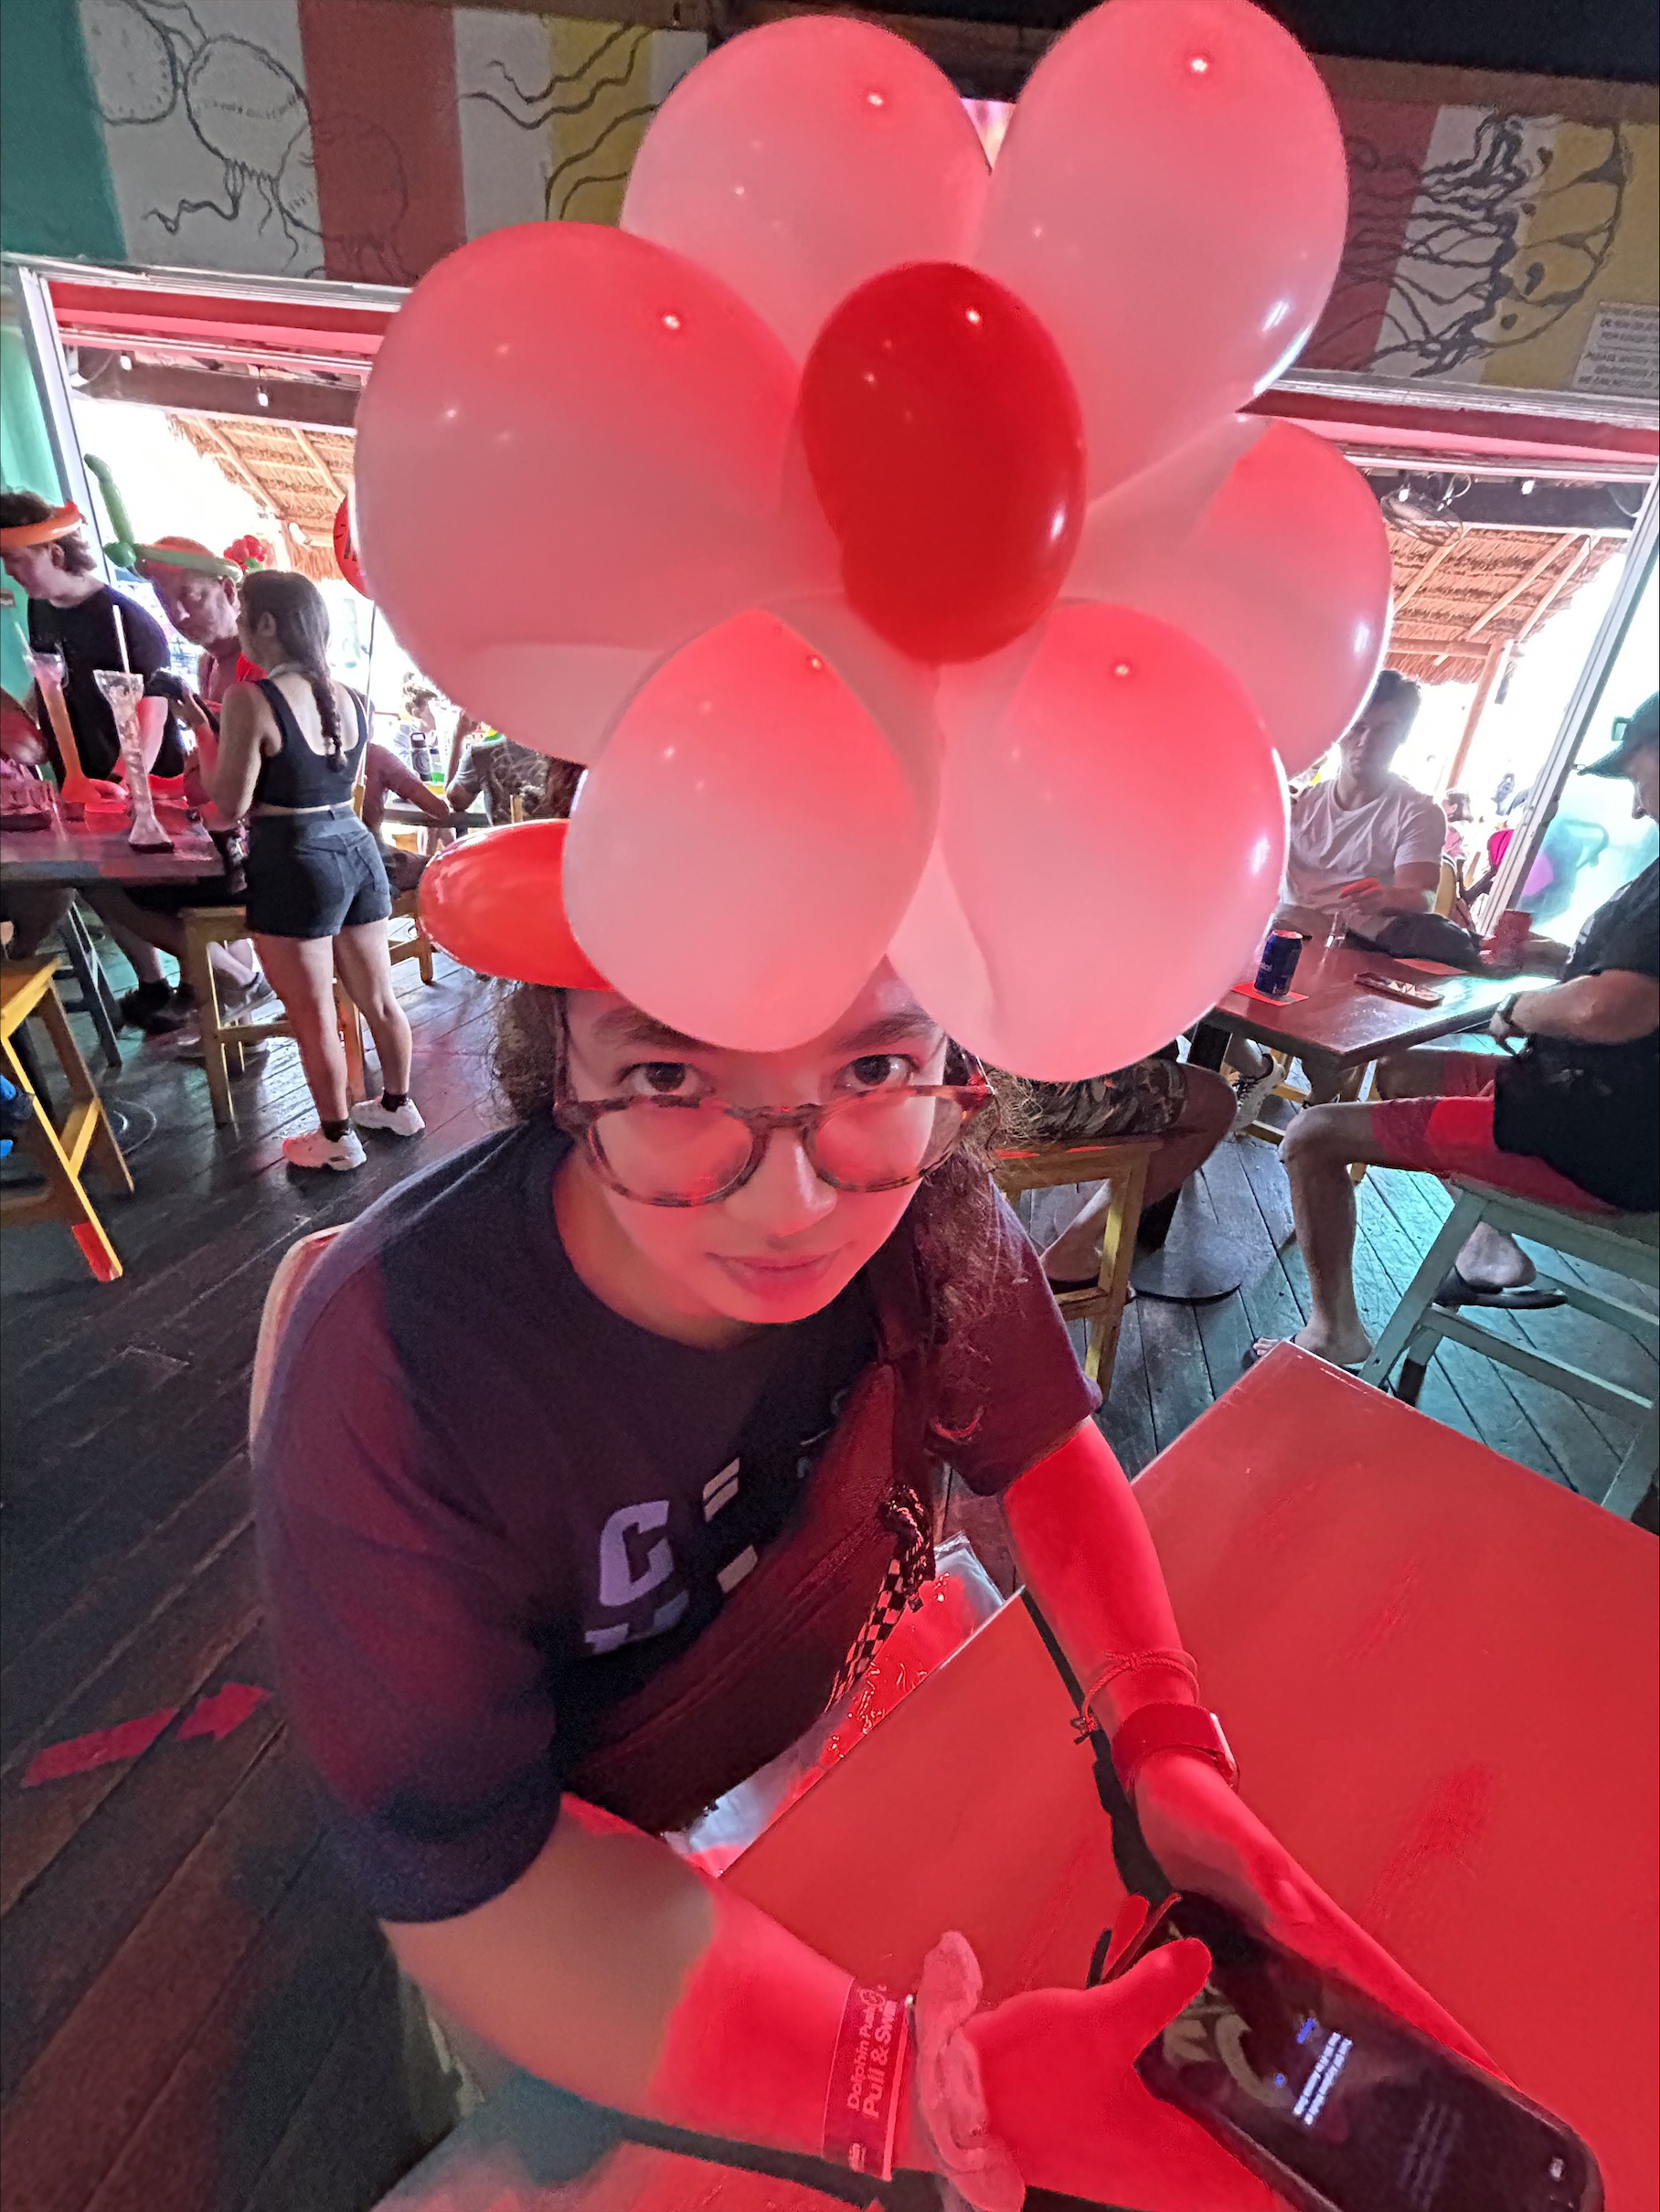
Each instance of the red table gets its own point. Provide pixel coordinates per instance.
(1337, 1030)
(1439, 1673)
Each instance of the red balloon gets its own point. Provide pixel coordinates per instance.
(496, 903)
(345, 548)
(945, 443)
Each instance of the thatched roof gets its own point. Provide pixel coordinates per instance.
(1461, 589)
(299, 475)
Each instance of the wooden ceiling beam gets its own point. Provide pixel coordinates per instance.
(1526, 584)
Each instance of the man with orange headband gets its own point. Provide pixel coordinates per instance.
(73, 611)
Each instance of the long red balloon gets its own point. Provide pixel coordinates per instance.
(496, 903)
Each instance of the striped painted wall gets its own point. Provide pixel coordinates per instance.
(356, 139)
(361, 139)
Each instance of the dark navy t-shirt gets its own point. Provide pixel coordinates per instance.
(489, 1506)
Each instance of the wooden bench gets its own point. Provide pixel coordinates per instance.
(1627, 1245)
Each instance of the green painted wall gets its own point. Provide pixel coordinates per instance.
(55, 191)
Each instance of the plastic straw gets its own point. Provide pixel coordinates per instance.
(120, 640)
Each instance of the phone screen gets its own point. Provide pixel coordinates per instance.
(1336, 2091)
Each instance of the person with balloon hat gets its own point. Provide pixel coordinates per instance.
(728, 1316)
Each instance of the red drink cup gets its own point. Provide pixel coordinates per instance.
(1508, 934)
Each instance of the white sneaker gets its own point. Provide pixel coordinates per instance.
(402, 1122)
(1249, 1099)
(315, 1150)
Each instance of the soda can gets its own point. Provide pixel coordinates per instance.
(1280, 958)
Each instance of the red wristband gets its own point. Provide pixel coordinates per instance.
(1171, 1728)
(867, 2071)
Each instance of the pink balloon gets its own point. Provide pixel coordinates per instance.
(1109, 851)
(1285, 575)
(742, 851)
(1171, 199)
(571, 438)
(804, 157)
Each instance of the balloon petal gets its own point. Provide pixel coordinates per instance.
(802, 158)
(561, 700)
(1285, 575)
(1171, 199)
(550, 451)
(743, 850)
(899, 694)
(1115, 842)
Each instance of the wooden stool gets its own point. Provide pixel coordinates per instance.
(60, 1148)
(1627, 1245)
(1122, 1163)
(207, 926)
(406, 906)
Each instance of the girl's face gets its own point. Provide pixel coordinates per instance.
(782, 1246)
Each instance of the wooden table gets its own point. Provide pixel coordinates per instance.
(1337, 1030)
(71, 853)
(1438, 1671)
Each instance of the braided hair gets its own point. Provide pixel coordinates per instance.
(296, 606)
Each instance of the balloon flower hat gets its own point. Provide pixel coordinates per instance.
(883, 532)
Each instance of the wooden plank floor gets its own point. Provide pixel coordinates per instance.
(193, 2013)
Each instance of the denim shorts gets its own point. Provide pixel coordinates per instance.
(314, 875)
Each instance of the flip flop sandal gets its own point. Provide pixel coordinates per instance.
(1265, 1345)
(1456, 1290)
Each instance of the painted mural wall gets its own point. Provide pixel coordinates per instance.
(362, 139)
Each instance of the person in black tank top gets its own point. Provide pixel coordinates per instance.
(318, 894)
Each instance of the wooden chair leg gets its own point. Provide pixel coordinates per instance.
(198, 961)
(1635, 1474)
(1117, 1258)
(64, 1198)
(1415, 1299)
(424, 956)
(88, 1109)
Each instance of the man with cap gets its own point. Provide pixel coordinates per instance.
(199, 597)
(1562, 1104)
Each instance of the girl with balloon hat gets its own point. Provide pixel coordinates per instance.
(876, 727)
(727, 1316)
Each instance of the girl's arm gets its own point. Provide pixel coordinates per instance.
(1089, 1558)
(613, 1969)
(236, 769)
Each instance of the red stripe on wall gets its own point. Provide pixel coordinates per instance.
(386, 136)
(1388, 144)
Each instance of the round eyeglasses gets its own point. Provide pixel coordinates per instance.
(692, 1151)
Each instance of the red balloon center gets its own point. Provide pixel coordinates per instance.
(945, 443)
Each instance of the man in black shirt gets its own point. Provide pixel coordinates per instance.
(1570, 1117)
(73, 611)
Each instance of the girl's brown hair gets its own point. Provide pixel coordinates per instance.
(296, 606)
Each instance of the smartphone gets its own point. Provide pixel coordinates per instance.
(1338, 2104)
(1392, 987)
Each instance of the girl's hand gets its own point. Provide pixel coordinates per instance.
(1058, 2067)
(1206, 1839)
